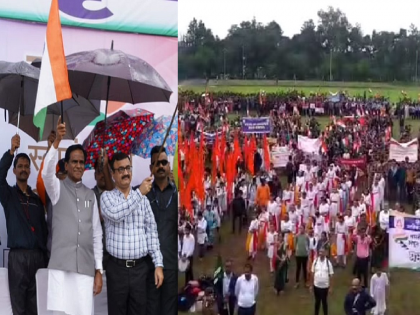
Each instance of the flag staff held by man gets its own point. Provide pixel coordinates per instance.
(75, 266)
(75, 274)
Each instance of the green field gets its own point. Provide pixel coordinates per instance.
(404, 289)
(391, 91)
(405, 284)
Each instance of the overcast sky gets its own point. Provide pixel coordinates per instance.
(219, 15)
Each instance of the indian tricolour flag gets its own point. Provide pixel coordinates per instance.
(53, 84)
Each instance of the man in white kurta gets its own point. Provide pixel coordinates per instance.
(75, 268)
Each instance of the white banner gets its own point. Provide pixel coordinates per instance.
(154, 17)
(280, 157)
(400, 151)
(404, 241)
(308, 145)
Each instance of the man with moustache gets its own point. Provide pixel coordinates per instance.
(131, 235)
(163, 199)
(75, 266)
(246, 291)
(103, 182)
(26, 229)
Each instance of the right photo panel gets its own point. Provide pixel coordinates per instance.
(298, 147)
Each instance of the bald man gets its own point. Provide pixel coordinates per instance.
(358, 301)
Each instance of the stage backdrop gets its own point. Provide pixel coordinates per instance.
(155, 17)
(25, 41)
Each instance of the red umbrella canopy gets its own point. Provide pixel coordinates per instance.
(118, 134)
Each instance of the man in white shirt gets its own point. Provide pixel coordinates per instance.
(201, 234)
(246, 291)
(322, 272)
(75, 267)
(187, 252)
(384, 219)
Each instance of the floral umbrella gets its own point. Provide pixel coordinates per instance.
(153, 134)
(122, 128)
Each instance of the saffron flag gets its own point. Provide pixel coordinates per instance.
(53, 83)
(175, 166)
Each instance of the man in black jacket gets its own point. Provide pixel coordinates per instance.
(238, 210)
(163, 198)
(358, 301)
(26, 229)
(225, 290)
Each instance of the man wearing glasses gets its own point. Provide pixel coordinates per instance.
(131, 235)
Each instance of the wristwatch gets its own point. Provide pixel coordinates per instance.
(100, 271)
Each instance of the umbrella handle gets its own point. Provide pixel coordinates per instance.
(166, 136)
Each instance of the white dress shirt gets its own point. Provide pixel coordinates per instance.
(322, 271)
(70, 292)
(246, 291)
(201, 231)
(188, 245)
(384, 220)
(226, 283)
(52, 187)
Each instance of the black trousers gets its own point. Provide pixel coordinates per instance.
(162, 301)
(22, 267)
(228, 309)
(237, 217)
(321, 297)
(189, 273)
(301, 264)
(247, 310)
(127, 287)
(362, 270)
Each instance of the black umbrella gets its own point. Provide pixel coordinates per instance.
(107, 74)
(76, 119)
(18, 89)
(18, 85)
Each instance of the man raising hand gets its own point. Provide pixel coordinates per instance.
(76, 252)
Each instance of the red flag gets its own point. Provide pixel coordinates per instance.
(266, 153)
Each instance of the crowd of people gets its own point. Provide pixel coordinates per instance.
(325, 216)
(126, 234)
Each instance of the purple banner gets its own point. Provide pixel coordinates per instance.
(256, 125)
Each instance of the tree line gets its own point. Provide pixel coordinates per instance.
(330, 50)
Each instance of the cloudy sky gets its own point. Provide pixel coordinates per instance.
(219, 15)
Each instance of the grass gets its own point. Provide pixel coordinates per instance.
(391, 91)
(405, 284)
(404, 289)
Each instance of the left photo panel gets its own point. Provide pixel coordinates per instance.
(88, 167)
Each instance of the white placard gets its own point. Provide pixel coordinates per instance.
(404, 241)
(280, 157)
(400, 151)
(309, 145)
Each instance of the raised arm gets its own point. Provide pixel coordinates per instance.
(117, 209)
(5, 163)
(152, 238)
(51, 182)
(40, 187)
(97, 237)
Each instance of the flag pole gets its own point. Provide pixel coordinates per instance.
(166, 136)
(62, 112)
(108, 85)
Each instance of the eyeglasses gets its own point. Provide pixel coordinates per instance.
(161, 162)
(121, 170)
